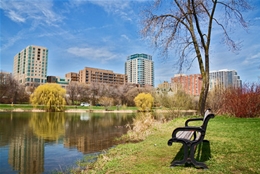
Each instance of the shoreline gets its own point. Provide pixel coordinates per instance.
(95, 111)
(69, 110)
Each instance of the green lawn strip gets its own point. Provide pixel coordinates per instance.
(10, 107)
(234, 148)
(18, 106)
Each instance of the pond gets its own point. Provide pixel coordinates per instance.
(48, 142)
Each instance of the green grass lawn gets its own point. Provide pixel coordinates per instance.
(234, 147)
(10, 107)
(17, 106)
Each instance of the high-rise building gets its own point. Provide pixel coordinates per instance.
(139, 69)
(190, 84)
(30, 65)
(94, 75)
(224, 78)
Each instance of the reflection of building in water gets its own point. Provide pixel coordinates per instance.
(95, 134)
(84, 116)
(26, 154)
(90, 143)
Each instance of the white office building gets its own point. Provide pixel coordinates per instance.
(224, 78)
(139, 69)
(30, 65)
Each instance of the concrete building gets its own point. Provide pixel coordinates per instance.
(165, 85)
(30, 65)
(164, 88)
(191, 84)
(63, 82)
(94, 75)
(139, 69)
(224, 78)
(74, 77)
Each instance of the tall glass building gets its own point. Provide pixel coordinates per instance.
(224, 78)
(30, 66)
(139, 69)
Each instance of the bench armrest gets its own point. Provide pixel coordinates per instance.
(189, 128)
(192, 119)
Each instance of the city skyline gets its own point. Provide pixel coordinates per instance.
(101, 34)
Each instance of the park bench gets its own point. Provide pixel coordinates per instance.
(190, 137)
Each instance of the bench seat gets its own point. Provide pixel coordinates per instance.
(184, 134)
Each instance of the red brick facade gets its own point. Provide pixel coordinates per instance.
(191, 84)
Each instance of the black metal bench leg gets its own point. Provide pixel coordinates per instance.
(193, 160)
(184, 160)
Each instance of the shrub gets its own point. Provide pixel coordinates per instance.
(182, 100)
(106, 101)
(179, 101)
(215, 99)
(140, 127)
(242, 102)
(144, 101)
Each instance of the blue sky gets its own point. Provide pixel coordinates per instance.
(101, 34)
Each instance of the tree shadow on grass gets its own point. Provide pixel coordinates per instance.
(202, 153)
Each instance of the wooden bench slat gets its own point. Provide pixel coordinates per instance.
(185, 134)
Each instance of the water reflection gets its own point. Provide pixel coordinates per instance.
(49, 126)
(43, 142)
(90, 134)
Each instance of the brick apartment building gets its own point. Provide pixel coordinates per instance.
(89, 75)
(191, 84)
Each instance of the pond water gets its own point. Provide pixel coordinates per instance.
(48, 142)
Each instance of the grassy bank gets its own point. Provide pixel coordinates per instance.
(233, 148)
(10, 107)
(29, 107)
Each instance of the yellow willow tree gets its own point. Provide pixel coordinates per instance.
(186, 26)
(51, 95)
(144, 101)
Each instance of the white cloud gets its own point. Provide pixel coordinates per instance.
(37, 11)
(13, 40)
(256, 56)
(15, 17)
(112, 5)
(252, 59)
(125, 37)
(96, 54)
(116, 7)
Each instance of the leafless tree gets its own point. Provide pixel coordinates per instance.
(83, 93)
(186, 26)
(113, 92)
(122, 93)
(94, 92)
(72, 91)
(11, 91)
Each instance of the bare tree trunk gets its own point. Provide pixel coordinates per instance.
(203, 95)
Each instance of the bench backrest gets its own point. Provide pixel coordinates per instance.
(208, 115)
